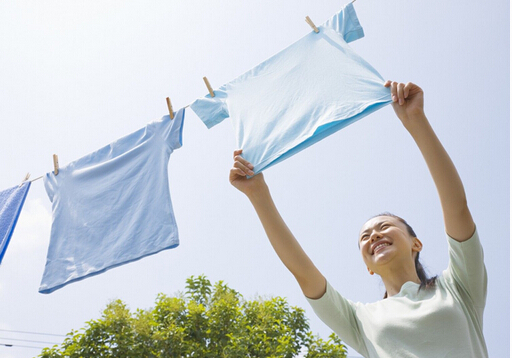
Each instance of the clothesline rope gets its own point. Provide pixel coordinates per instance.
(171, 114)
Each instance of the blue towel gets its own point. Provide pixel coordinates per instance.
(11, 202)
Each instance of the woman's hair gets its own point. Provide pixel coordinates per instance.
(426, 282)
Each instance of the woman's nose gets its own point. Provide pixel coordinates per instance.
(375, 235)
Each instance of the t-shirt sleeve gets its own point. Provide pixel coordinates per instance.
(467, 268)
(171, 130)
(346, 23)
(212, 110)
(339, 314)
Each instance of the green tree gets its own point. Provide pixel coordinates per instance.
(206, 321)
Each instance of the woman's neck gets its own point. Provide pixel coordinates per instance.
(394, 280)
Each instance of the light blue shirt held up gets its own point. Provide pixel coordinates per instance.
(304, 93)
(112, 206)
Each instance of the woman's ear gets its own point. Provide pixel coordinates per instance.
(417, 246)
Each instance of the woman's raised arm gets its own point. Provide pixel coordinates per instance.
(408, 106)
(311, 281)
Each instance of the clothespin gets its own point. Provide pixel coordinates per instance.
(56, 164)
(208, 86)
(169, 105)
(308, 20)
(26, 178)
(353, 1)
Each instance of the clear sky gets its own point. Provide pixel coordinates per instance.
(77, 75)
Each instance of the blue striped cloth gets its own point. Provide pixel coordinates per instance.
(11, 203)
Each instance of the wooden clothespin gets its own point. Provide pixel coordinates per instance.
(169, 105)
(308, 20)
(56, 164)
(26, 178)
(208, 86)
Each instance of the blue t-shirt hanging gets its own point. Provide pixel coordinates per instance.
(304, 93)
(112, 206)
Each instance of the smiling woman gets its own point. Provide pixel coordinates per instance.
(384, 223)
(419, 316)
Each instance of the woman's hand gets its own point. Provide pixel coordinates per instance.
(238, 175)
(407, 100)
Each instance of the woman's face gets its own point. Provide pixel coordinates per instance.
(384, 240)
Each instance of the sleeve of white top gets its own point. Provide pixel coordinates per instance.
(467, 268)
(339, 314)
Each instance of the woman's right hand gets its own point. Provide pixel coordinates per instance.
(238, 175)
(407, 101)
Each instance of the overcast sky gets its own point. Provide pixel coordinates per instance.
(77, 75)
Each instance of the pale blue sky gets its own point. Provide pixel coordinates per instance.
(77, 75)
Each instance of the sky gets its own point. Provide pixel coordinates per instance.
(77, 75)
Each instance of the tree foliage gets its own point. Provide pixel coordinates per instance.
(206, 321)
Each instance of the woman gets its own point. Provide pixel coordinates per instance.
(419, 317)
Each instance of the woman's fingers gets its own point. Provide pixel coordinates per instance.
(237, 152)
(399, 91)
(234, 172)
(243, 167)
(393, 91)
(238, 158)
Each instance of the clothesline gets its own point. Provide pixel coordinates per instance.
(171, 112)
(33, 180)
(40, 177)
(112, 214)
